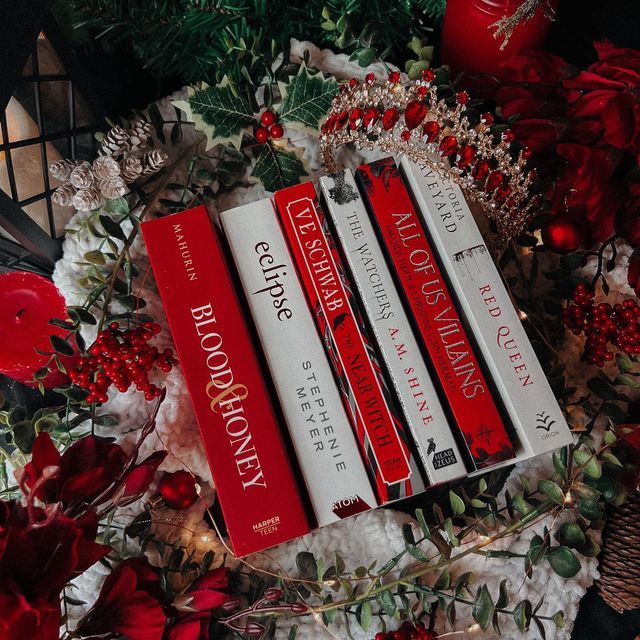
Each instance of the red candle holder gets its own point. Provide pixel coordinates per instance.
(27, 303)
(467, 35)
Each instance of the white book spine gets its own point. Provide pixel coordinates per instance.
(412, 382)
(325, 445)
(513, 364)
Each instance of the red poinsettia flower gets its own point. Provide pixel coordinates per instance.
(129, 604)
(584, 186)
(40, 551)
(607, 94)
(206, 593)
(92, 470)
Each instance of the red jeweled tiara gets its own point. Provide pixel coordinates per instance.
(410, 119)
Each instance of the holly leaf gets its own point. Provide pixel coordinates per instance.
(218, 113)
(306, 99)
(278, 168)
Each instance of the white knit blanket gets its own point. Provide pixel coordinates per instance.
(360, 540)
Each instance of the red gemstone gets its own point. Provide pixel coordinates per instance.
(370, 78)
(355, 118)
(507, 136)
(329, 125)
(533, 174)
(465, 157)
(428, 75)
(431, 131)
(487, 118)
(405, 135)
(342, 88)
(371, 116)
(353, 83)
(480, 170)
(422, 91)
(394, 76)
(389, 118)
(448, 146)
(494, 179)
(511, 203)
(526, 153)
(502, 192)
(462, 97)
(342, 119)
(415, 113)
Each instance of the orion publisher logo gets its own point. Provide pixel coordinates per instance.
(441, 459)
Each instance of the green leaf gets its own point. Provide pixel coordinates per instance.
(95, 257)
(503, 598)
(83, 315)
(387, 602)
(448, 527)
(218, 113)
(306, 99)
(571, 535)
(277, 168)
(602, 388)
(558, 619)
(366, 615)
(628, 381)
(563, 561)
(551, 490)
(591, 465)
(457, 504)
(624, 362)
(443, 581)
(483, 607)
(24, 436)
(293, 632)
(590, 509)
(112, 227)
(522, 615)
(417, 553)
(61, 346)
(423, 523)
(307, 566)
(407, 533)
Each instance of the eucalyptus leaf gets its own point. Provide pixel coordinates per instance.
(457, 504)
(563, 561)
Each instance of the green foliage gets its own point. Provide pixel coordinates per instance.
(209, 39)
(278, 168)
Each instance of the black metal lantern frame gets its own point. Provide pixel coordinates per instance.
(31, 247)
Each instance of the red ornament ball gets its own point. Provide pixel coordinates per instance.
(268, 118)
(563, 233)
(261, 134)
(276, 131)
(178, 489)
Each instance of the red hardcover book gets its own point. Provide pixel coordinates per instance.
(381, 434)
(254, 482)
(436, 318)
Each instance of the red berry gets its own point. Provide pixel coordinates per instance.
(268, 118)
(563, 233)
(178, 489)
(276, 131)
(261, 134)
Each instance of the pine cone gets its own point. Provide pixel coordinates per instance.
(116, 142)
(130, 168)
(113, 188)
(81, 177)
(87, 199)
(61, 170)
(140, 133)
(153, 161)
(105, 168)
(63, 195)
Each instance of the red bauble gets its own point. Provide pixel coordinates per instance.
(178, 489)
(261, 134)
(268, 118)
(563, 233)
(276, 131)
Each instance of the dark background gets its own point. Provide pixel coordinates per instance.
(121, 84)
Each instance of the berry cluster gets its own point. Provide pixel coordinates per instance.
(121, 358)
(407, 631)
(268, 128)
(603, 324)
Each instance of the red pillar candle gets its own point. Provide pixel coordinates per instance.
(27, 303)
(467, 35)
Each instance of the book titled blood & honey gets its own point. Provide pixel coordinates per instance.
(254, 481)
(436, 318)
(366, 394)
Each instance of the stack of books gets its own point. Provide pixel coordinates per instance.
(345, 352)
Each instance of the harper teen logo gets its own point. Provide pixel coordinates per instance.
(226, 397)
